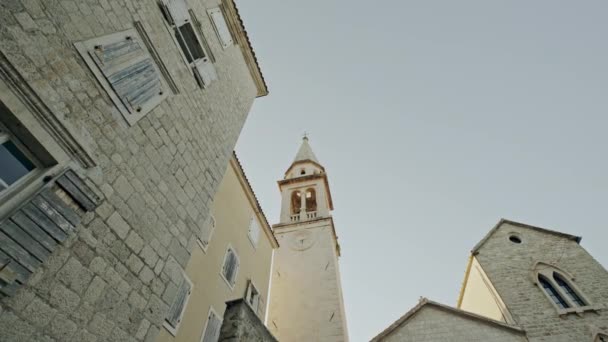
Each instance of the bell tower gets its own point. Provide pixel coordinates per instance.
(306, 302)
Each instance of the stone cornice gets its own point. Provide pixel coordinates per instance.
(242, 39)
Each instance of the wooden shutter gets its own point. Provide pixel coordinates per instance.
(179, 303)
(129, 70)
(221, 28)
(204, 71)
(178, 10)
(214, 324)
(254, 231)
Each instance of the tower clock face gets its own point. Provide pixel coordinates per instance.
(302, 240)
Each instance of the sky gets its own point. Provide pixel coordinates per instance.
(433, 119)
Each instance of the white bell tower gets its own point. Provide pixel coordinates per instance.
(306, 301)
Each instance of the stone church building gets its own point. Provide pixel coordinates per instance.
(522, 283)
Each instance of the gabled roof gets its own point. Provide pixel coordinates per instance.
(522, 225)
(468, 315)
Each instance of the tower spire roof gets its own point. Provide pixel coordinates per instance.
(305, 152)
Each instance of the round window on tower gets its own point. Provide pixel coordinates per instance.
(515, 238)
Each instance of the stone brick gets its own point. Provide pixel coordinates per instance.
(149, 256)
(134, 263)
(118, 225)
(123, 187)
(146, 275)
(38, 313)
(63, 298)
(75, 275)
(95, 290)
(26, 21)
(135, 242)
(143, 329)
(62, 328)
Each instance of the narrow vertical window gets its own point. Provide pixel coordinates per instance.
(254, 231)
(296, 202)
(212, 328)
(311, 200)
(568, 290)
(231, 267)
(206, 233)
(14, 161)
(552, 293)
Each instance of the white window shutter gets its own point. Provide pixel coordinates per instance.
(205, 71)
(178, 9)
(254, 231)
(179, 303)
(207, 231)
(221, 27)
(212, 332)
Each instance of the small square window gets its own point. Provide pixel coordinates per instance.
(178, 307)
(212, 327)
(179, 19)
(230, 267)
(126, 71)
(252, 296)
(221, 27)
(254, 231)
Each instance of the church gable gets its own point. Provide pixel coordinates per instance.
(431, 321)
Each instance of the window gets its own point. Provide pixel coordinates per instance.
(552, 293)
(515, 239)
(559, 286)
(570, 293)
(16, 161)
(302, 172)
(221, 28)
(254, 231)
(176, 311)
(211, 333)
(178, 17)
(230, 267)
(206, 233)
(296, 202)
(311, 200)
(252, 296)
(126, 71)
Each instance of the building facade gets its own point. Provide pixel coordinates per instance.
(117, 123)
(536, 280)
(231, 260)
(306, 301)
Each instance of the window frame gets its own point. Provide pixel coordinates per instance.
(209, 313)
(7, 135)
(200, 242)
(547, 271)
(248, 291)
(166, 324)
(231, 284)
(208, 59)
(131, 117)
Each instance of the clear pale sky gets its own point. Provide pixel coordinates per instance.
(433, 119)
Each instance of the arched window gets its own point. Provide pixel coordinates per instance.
(552, 293)
(568, 290)
(311, 200)
(296, 202)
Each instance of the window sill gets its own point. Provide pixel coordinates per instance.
(170, 328)
(579, 310)
(18, 195)
(202, 245)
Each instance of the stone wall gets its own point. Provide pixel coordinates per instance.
(509, 268)
(242, 324)
(113, 280)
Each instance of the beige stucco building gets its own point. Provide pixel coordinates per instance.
(306, 301)
(522, 283)
(236, 225)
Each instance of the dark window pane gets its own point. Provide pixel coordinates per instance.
(568, 290)
(188, 42)
(13, 163)
(555, 296)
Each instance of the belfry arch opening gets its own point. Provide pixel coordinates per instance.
(296, 202)
(311, 200)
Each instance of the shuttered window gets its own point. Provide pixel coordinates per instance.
(127, 72)
(221, 27)
(176, 311)
(206, 233)
(252, 296)
(231, 267)
(212, 328)
(254, 231)
(179, 19)
(15, 162)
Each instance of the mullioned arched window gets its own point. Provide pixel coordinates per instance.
(558, 285)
